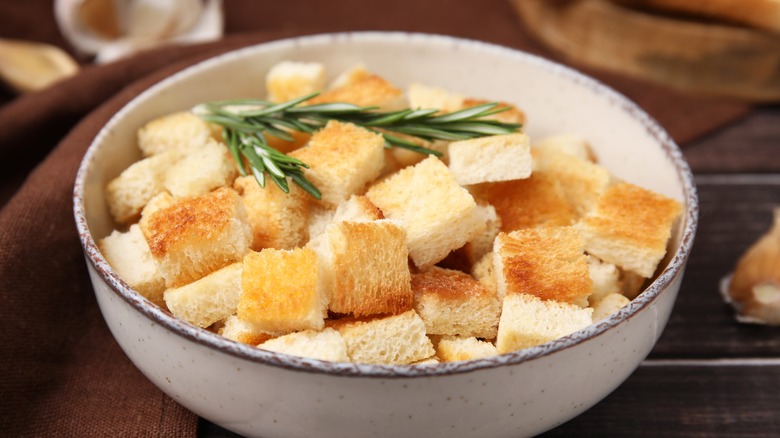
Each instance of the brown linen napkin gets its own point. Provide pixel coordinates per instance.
(62, 373)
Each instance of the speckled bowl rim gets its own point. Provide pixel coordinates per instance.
(259, 356)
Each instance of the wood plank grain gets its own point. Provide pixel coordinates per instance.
(686, 401)
(735, 211)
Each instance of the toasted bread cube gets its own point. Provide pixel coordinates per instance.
(181, 132)
(357, 208)
(527, 321)
(426, 97)
(393, 340)
(198, 235)
(202, 170)
(325, 345)
(491, 159)
(565, 144)
(404, 157)
(236, 329)
(209, 299)
(582, 181)
(483, 242)
(437, 214)
(129, 255)
(350, 76)
(484, 271)
(365, 268)
(532, 202)
(456, 348)
(605, 277)
(365, 90)
(282, 291)
(288, 80)
(319, 219)
(609, 305)
(630, 226)
(128, 193)
(548, 263)
(430, 361)
(343, 159)
(158, 202)
(453, 303)
(278, 219)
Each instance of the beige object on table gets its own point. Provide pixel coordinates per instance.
(691, 55)
(28, 66)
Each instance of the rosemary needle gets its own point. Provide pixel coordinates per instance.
(246, 122)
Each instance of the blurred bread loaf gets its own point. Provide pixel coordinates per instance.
(198, 235)
(437, 214)
(209, 299)
(129, 255)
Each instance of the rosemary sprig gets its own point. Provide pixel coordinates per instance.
(246, 122)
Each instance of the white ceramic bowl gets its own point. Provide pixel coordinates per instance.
(260, 393)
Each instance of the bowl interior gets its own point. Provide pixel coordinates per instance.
(555, 99)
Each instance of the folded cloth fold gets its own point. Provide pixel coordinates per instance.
(62, 372)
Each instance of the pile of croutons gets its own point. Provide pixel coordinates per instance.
(407, 259)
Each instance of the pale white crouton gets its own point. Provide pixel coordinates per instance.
(393, 340)
(438, 214)
(453, 303)
(281, 291)
(455, 348)
(527, 321)
(548, 263)
(278, 219)
(209, 299)
(129, 255)
(289, 79)
(609, 305)
(201, 170)
(181, 132)
(484, 271)
(343, 158)
(365, 268)
(491, 159)
(236, 329)
(564, 143)
(325, 345)
(128, 193)
(605, 277)
(357, 209)
(629, 227)
(426, 97)
(198, 235)
(483, 242)
(319, 219)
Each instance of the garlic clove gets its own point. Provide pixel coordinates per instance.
(27, 66)
(754, 289)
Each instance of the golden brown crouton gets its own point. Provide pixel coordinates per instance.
(365, 268)
(368, 90)
(198, 235)
(453, 303)
(281, 291)
(438, 214)
(278, 219)
(582, 181)
(629, 226)
(548, 263)
(343, 158)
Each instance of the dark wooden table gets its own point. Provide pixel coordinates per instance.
(708, 376)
